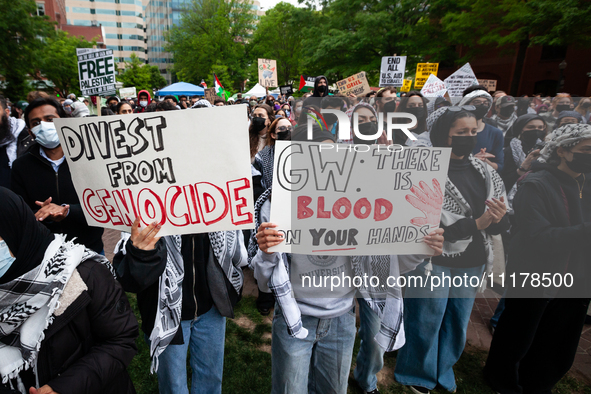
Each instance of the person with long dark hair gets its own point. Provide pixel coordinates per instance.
(436, 320)
(262, 117)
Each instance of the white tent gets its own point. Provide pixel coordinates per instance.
(258, 91)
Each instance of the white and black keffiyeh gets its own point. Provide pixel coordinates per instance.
(566, 136)
(467, 99)
(228, 250)
(455, 207)
(27, 305)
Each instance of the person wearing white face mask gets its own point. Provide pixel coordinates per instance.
(42, 177)
(144, 99)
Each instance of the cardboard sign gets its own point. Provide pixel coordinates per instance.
(96, 71)
(127, 92)
(490, 84)
(356, 84)
(345, 200)
(459, 81)
(407, 83)
(423, 72)
(286, 90)
(392, 71)
(162, 167)
(267, 73)
(210, 95)
(434, 87)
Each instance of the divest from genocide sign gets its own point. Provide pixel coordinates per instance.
(96, 71)
(162, 167)
(392, 71)
(356, 84)
(345, 200)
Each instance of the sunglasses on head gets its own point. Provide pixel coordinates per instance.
(462, 108)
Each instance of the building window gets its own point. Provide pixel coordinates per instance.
(92, 11)
(40, 9)
(553, 52)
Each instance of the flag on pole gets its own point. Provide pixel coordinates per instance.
(219, 89)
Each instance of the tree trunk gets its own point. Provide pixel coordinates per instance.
(518, 70)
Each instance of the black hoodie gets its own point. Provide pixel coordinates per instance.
(316, 93)
(552, 232)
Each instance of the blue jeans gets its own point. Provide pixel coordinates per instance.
(370, 358)
(204, 337)
(500, 308)
(319, 363)
(435, 329)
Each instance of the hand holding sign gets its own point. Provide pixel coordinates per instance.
(435, 241)
(428, 201)
(267, 237)
(146, 239)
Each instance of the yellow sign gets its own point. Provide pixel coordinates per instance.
(423, 72)
(406, 84)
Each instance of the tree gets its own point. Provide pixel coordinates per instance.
(480, 23)
(59, 63)
(140, 75)
(349, 36)
(279, 36)
(212, 33)
(22, 34)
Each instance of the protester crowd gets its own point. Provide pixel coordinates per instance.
(516, 192)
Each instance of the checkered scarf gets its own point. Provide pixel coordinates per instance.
(566, 136)
(455, 207)
(28, 302)
(228, 249)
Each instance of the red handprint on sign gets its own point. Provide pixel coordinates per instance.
(428, 201)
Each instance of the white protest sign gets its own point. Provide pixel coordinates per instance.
(162, 167)
(329, 199)
(459, 81)
(434, 87)
(267, 73)
(392, 71)
(127, 92)
(356, 84)
(96, 71)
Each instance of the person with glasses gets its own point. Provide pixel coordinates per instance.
(436, 320)
(42, 178)
(489, 141)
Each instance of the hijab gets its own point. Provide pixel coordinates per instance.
(26, 238)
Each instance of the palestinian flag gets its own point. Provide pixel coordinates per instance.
(219, 89)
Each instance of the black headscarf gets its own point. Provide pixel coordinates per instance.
(26, 238)
(316, 93)
(517, 127)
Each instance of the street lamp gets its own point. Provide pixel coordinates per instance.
(561, 67)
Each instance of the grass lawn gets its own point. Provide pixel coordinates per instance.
(247, 362)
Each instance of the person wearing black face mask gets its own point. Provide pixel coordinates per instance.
(505, 112)
(562, 102)
(414, 104)
(529, 132)
(262, 117)
(551, 235)
(320, 86)
(489, 144)
(473, 210)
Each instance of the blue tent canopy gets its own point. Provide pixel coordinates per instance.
(176, 89)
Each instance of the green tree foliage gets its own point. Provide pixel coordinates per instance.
(212, 33)
(140, 75)
(476, 24)
(59, 63)
(21, 35)
(349, 36)
(279, 36)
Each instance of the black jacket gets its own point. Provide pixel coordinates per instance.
(34, 179)
(552, 232)
(139, 270)
(315, 92)
(88, 348)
